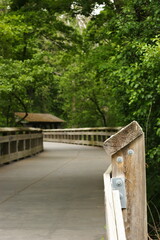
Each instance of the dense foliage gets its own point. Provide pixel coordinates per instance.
(91, 70)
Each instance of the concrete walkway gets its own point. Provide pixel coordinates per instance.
(55, 195)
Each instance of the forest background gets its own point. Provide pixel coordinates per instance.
(90, 69)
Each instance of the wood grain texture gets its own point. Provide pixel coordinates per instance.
(133, 169)
(122, 138)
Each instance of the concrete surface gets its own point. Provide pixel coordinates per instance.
(55, 195)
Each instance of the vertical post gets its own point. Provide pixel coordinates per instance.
(110, 214)
(127, 152)
(9, 144)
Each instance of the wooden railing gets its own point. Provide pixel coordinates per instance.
(125, 185)
(17, 143)
(83, 136)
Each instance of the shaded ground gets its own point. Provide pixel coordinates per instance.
(55, 195)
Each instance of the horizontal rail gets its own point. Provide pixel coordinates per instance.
(18, 143)
(82, 136)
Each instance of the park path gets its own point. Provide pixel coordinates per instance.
(55, 195)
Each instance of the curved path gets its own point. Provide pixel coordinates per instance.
(55, 195)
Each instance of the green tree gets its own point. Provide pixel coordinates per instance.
(118, 68)
(30, 61)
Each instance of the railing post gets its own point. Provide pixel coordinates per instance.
(84, 136)
(17, 143)
(127, 152)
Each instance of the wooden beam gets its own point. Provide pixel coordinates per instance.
(127, 152)
(121, 235)
(110, 214)
(122, 138)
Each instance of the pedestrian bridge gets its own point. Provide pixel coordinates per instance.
(58, 194)
(55, 195)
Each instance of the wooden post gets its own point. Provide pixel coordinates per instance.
(121, 235)
(110, 214)
(126, 150)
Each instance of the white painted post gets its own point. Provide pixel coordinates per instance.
(121, 235)
(109, 207)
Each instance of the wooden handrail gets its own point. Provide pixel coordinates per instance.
(83, 136)
(125, 150)
(17, 143)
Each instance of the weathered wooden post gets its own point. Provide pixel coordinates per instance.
(127, 153)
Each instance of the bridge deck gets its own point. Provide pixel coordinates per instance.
(55, 195)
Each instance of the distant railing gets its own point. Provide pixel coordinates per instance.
(17, 143)
(82, 136)
(125, 185)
